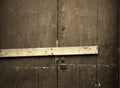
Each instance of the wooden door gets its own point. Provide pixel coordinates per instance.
(59, 23)
(78, 26)
(27, 24)
(89, 22)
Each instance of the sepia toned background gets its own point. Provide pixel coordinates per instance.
(60, 23)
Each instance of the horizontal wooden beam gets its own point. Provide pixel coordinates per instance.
(53, 51)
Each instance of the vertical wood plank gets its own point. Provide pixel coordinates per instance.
(86, 73)
(67, 77)
(27, 72)
(108, 44)
(37, 22)
(8, 14)
(7, 77)
(13, 74)
(27, 24)
(78, 27)
(47, 77)
(77, 22)
(26, 77)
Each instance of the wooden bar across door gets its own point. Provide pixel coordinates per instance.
(53, 51)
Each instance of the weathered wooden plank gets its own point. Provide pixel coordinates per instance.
(29, 23)
(47, 75)
(14, 74)
(7, 76)
(78, 27)
(26, 76)
(8, 13)
(77, 23)
(85, 73)
(67, 77)
(26, 24)
(108, 43)
(82, 50)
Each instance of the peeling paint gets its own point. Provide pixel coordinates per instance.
(25, 67)
(88, 65)
(107, 65)
(45, 67)
(17, 68)
(95, 85)
(99, 84)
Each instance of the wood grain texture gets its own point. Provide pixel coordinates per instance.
(27, 24)
(17, 75)
(53, 51)
(33, 23)
(78, 27)
(108, 44)
(67, 77)
(77, 22)
(85, 73)
(47, 77)
(8, 13)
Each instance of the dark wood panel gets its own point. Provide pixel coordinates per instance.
(17, 76)
(7, 77)
(67, 77)
(108, 44)
(77, 22)
(8, 13)
(86, 73)
(27, 72)
(78, 27)
(27, 24)
(26, 77)
(47, 77)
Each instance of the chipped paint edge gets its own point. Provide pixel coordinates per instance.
(52, 51)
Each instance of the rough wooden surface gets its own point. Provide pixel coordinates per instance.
(33, 23)
(27, 24)
(77, 22)
(53, 51)
(78, 27)
(47, 77)
(67, 77)
(108, 44)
